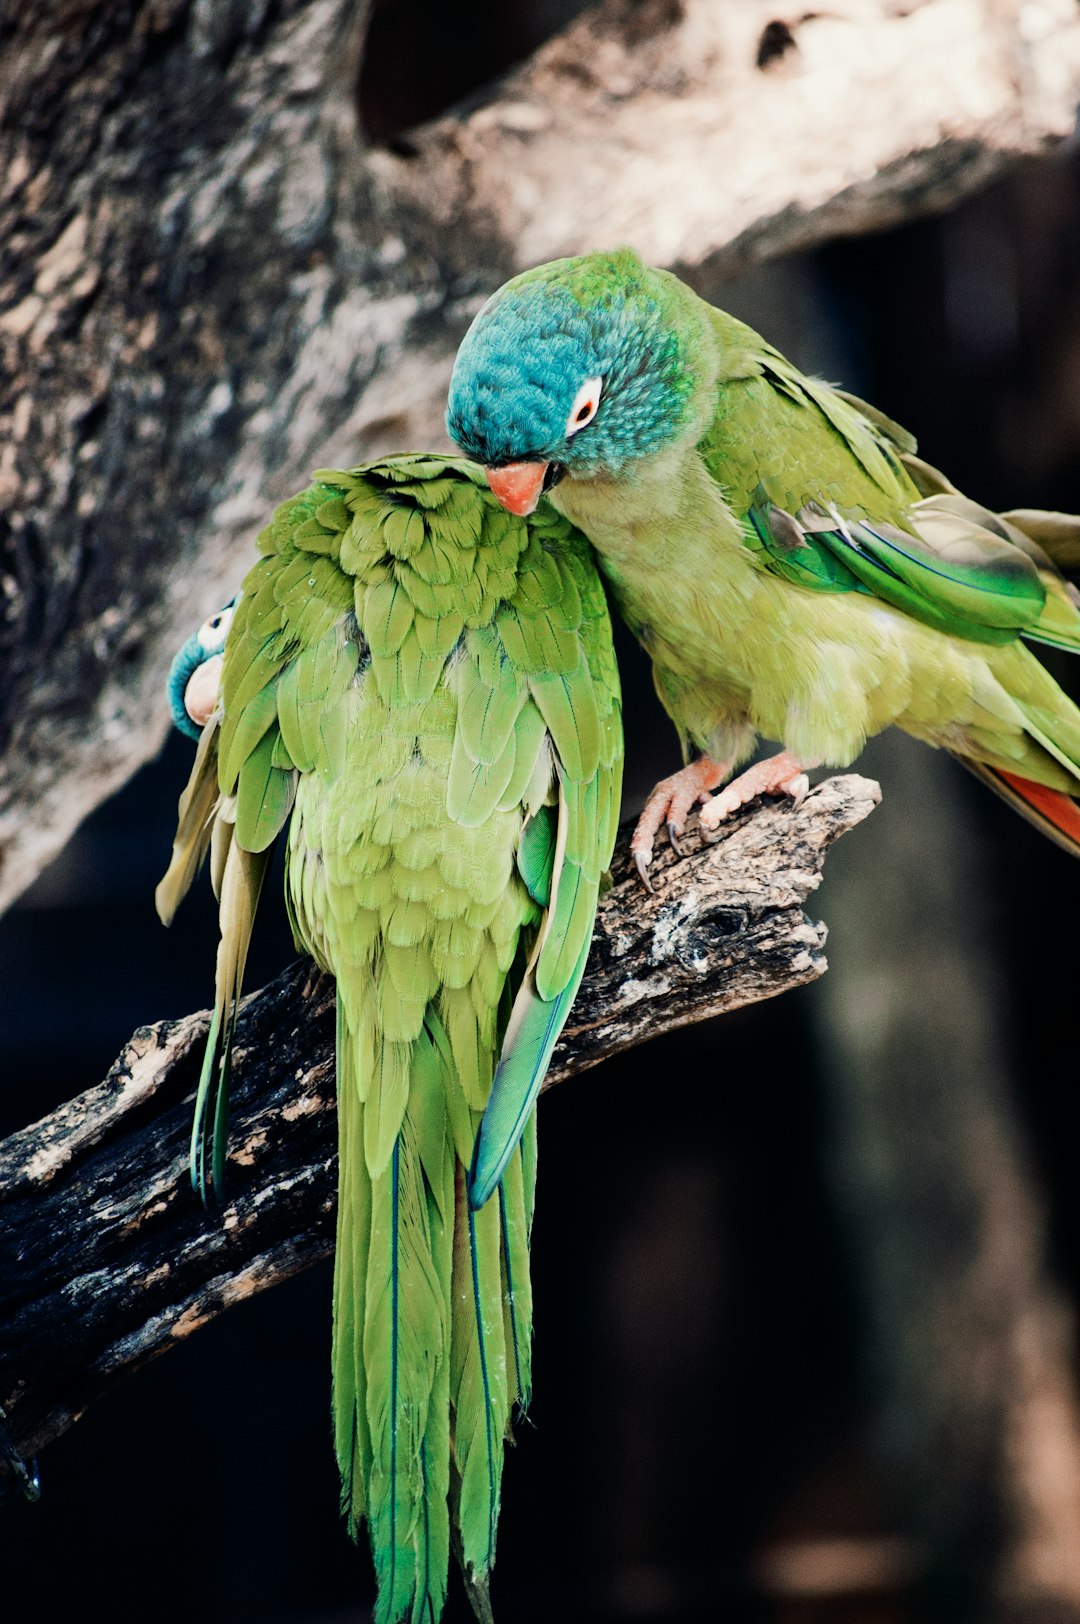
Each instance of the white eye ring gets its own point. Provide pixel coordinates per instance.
(586, 405)
(213, 632)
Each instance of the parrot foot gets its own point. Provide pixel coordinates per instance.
(317, 983)
(669, 803)
(779, 775)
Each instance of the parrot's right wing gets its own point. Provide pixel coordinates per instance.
(556, 634)
(853, 521)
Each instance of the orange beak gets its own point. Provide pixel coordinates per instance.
(518, 486)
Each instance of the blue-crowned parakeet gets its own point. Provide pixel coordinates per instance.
(791, 566)
(420, 689)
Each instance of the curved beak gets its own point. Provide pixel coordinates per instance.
(518, 485)
(201, 693)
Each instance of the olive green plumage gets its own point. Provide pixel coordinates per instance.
(792, 567)
(427, 686)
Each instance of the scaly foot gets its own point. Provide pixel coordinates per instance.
(670, 802)
(779, 775)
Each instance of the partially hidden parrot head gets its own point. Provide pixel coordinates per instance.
(195, 674)
(577, 367)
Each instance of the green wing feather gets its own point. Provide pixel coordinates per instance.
(578, 707)
(947, 570)
(834, 498)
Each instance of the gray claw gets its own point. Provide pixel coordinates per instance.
(673, 833)
(641, 863)
(798, 788)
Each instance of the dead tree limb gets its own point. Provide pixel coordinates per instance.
(209, 283)
(106, 1259)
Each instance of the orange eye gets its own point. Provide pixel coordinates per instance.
(585, 407)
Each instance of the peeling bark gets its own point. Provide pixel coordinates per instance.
(208, 284)
(106, 1258)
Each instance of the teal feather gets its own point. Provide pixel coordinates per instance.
(536, 853)
(532, 1033)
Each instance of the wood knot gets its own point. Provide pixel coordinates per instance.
(637, 21)
(776, 41)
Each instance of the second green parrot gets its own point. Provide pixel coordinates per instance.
(422, 688)
(791, 566)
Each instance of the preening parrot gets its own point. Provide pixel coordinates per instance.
(789, 563)
(195, 674)
(422, 687)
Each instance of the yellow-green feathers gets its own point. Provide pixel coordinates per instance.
(791, 566)
(414, 681)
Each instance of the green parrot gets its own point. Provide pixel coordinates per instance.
(422, 687)
(791, 566)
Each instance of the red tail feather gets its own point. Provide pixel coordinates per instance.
(1058, 809)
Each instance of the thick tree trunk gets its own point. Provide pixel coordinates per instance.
(968, 1344)
(208, 285)
(106, 1257)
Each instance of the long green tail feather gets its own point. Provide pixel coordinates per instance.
(241, 883)
(479, 1387)
(515, 1216)
(351, 1440)
(432, 1333)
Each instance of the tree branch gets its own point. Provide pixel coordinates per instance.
(208, 284)
(106, 1259)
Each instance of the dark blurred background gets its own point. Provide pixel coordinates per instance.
(717, 1430)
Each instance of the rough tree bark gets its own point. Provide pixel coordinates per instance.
(106, 1258)
(969, 1345)
(208, 284)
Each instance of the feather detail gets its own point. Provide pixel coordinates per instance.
(264, 797)
(241, 884)
(515, 1215)
(1053, 813)
(531, 1035)
(194, 826)
(478, 1382)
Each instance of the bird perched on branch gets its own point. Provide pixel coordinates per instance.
(792, 567)
(422, 688)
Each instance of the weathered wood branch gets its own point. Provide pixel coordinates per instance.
(106, 1259)
(209, 284)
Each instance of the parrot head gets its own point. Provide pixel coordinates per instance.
(578, 367)
(195, 674)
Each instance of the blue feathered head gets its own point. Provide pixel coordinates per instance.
(208, 643)
(583, 365)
